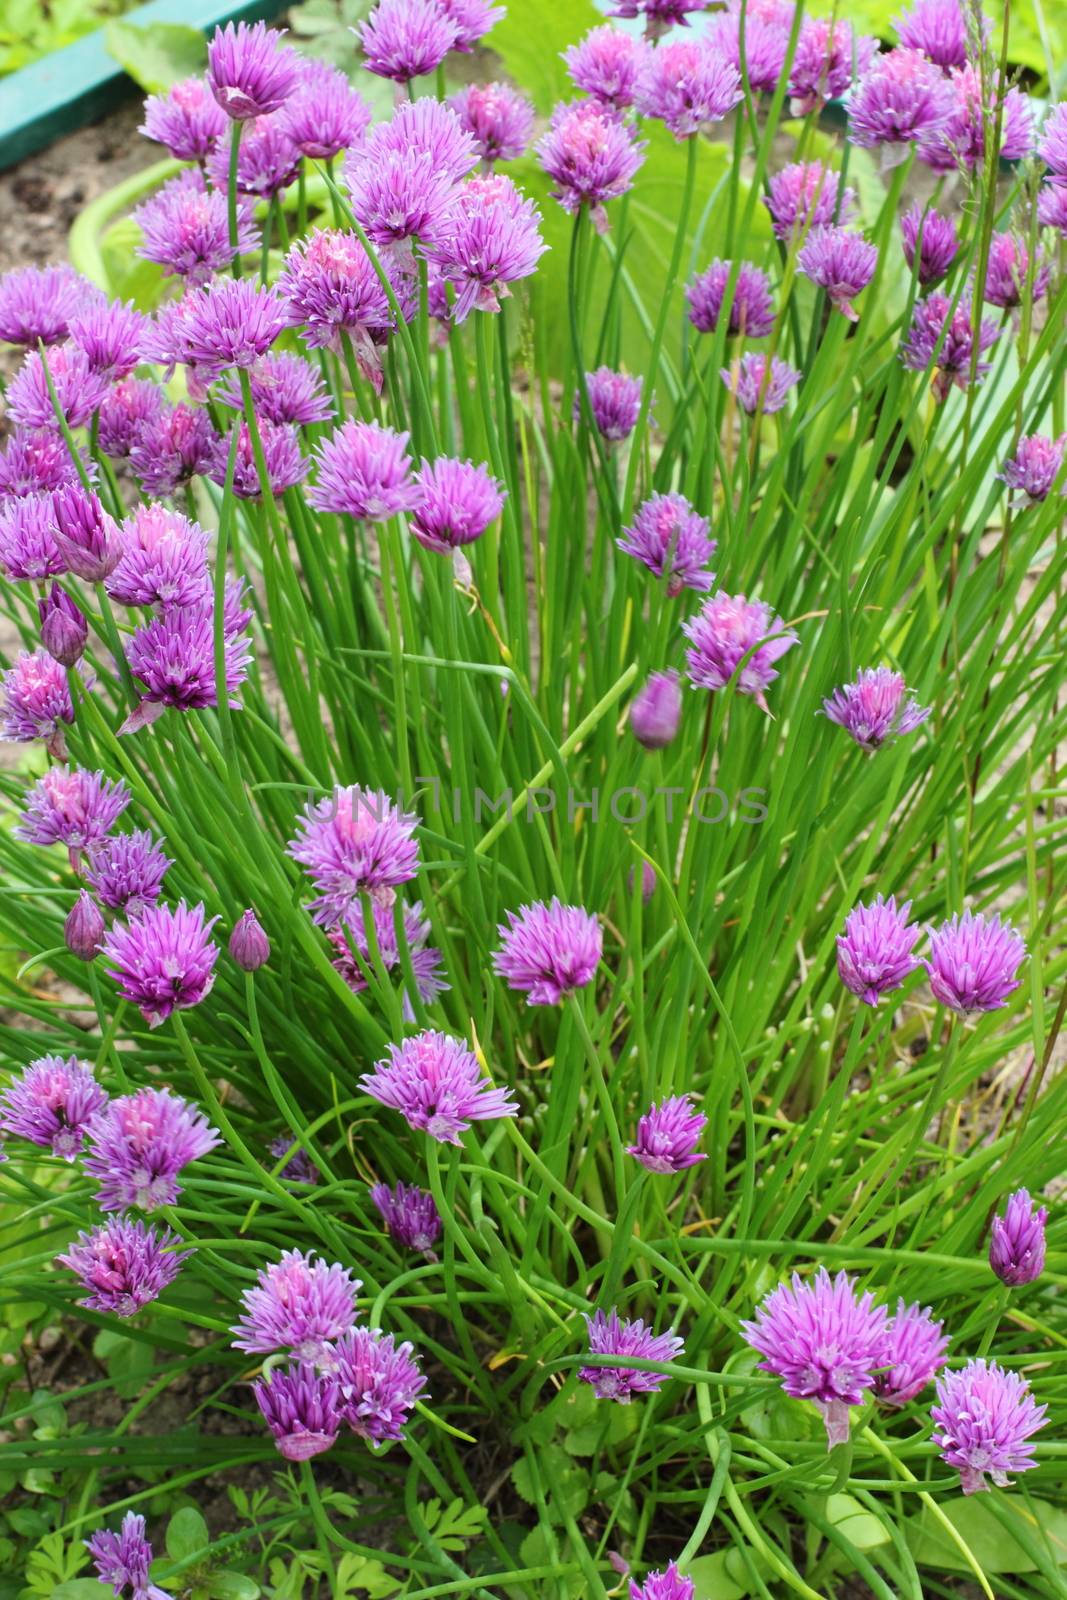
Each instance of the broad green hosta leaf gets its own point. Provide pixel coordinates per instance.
(529, 40)
(989, 1540)
(158, 56)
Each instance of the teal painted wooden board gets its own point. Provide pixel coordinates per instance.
(74, 85)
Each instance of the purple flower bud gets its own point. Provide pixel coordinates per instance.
(614, 400)
(666, 1584)
(657, 711)
(300, 1407)
(933, 238)
(64, 630)
(1017, 1241)
(249, 945)
(84, 927)
(86, 537)
(187, 119)
(611, 1335)
(973, 962)
(1052, 149)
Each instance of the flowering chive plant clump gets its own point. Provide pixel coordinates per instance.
(533, 837)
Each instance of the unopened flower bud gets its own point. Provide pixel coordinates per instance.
(657, 711)
(1017, 1241)
(64, 630)
(249, 945)
(86, 537)
(84, 927)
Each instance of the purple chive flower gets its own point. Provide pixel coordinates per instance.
(901, 100)
(473, 19)
(1052, 147)
(728, 628)
(27, 546)
(497, 117)
(425, 960)
(285, 464)
(51, 1103)
(938, 30)
(186, 229)
(299, 1168)
(331, 287)
(231, 322)
(1008, 274)
(606, 64)
(71, 806)
(687, 84)
(405, 39)
(172, 447)
(163, 562)
(548, 950)
(1034, 467)
(1017, 1241)
(615, 401)
(840, 262)
(128, 406)
(751, 305)
(827, 56)
(110, 334)
(173, 658)
(37, 460)
(672, 541)
(64, 629)
(285, 388)
(163, 959)
(127, 871)
(37, 303)
(249, 946)
(437, 1085)
(125, 1265)
(187, 119)
(301, 1407)
(613, 1336)
(983, 1418)
(324, 115)
(912, 1354)
(757, 388)
(458, 502)
(960, 141)
(380, 1383)
(763, 52)
(79, 390)
(354, 842)
(668, 1135)
(591, 156)
(669, 1584)
(84, 927)
(35, 701)
(298, 1303)
(934, 323)
(803, 195)
(874, 953)
(268, 161)
(139, 1143)
(875, 709)
(933, 238)
(656, 711)
(364, 471)
(492, 239)
(247, 72)
(403, 179)
(659, 15)
(122, 1559)
(973, 962)
(823, 1340)
(410, 1215)
(85, 536)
